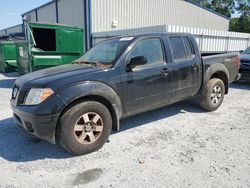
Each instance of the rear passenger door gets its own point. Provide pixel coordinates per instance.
(186, 67)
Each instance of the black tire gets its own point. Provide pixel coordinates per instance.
(66, 128)
(207, 101)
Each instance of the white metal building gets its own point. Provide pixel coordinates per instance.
(209, 41)
(109, 15)
(123, 14)
(13, 29)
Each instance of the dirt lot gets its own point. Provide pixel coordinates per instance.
(177, 146)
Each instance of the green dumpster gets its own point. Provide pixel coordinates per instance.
(8, 56)
(49, 45)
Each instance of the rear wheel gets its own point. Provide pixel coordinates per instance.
(213, 94)
(84, 128)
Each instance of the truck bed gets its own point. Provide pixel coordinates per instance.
(230, 60)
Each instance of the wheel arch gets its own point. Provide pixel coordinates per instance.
(219, 71)
(99, 99)
(222, 76)
(92, 91)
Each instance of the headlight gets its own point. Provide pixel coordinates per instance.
(38, 95)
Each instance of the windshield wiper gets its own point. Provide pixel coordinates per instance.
(84, 62)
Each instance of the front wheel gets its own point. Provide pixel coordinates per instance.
(84, 128)
(213, 94)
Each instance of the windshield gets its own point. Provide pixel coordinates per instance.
(247, 51)
(106, 52)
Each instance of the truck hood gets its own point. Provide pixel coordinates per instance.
(45, 77)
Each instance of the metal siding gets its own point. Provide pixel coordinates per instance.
(32, 16)
(71, 12)
(15, 29)
(141, 13)
(47, 13)
(100, 36)
(215, 40)
(2, 32)
(207, 39)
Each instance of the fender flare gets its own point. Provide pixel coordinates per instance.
(214, 69)
(91, 90)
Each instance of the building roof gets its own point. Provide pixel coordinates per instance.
(34, 9)
(11, 27)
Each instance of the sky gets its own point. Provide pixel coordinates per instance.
(11, 10)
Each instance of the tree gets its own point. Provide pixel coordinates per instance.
(243, 7)
(228, 8)
(241, 24)
(225, 7)
(204, 3)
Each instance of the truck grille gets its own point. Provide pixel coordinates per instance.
(245, 61)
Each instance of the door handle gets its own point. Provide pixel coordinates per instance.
(164, 72)
(195, 66)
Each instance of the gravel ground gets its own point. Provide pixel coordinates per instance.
(177, 146)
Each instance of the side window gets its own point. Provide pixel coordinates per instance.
(177, 48)
(188, 47)
(150, 48)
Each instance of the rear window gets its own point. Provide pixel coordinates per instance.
(177, 48)
(188, 47)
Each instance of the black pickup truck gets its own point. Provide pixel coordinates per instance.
(245, 64)
(78, 105)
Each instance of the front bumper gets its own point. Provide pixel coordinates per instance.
(238, 77)
(39, 120)
(245, 74)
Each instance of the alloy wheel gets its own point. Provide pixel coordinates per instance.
(88, 128)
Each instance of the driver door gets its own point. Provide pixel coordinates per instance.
(147, 86)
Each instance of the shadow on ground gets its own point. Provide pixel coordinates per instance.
(243, 85)
(18, 146)
(8, 83)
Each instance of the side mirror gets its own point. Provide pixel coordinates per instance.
(137, 61)
(241, 51)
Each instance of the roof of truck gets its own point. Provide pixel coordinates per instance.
(150, 34)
